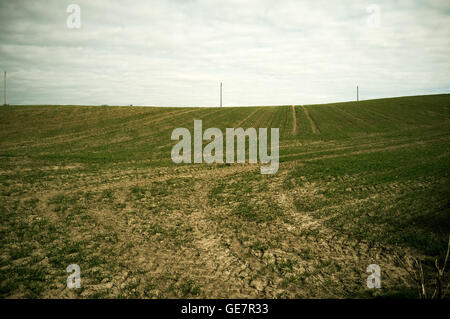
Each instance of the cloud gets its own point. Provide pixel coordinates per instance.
(175, 53)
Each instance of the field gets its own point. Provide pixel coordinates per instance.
(359, 183)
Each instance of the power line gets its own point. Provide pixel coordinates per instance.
(220, 94)
(4, 88)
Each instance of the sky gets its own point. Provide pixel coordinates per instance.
(266, 52)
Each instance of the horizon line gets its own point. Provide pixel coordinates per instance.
(228, 106)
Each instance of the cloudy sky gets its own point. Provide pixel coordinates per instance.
(266, 52)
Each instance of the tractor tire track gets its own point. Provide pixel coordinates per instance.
(313, 124)
(294, 121)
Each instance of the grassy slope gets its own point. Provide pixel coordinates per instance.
(359, 183)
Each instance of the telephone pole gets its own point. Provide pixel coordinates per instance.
(4, 88)
(220, 94)
(357, 93)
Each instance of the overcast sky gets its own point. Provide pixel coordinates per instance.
(266, 52)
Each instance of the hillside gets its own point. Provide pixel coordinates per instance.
(359, 183)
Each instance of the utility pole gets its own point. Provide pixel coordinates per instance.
(357, 93)
(220, 94)
(4, 88)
